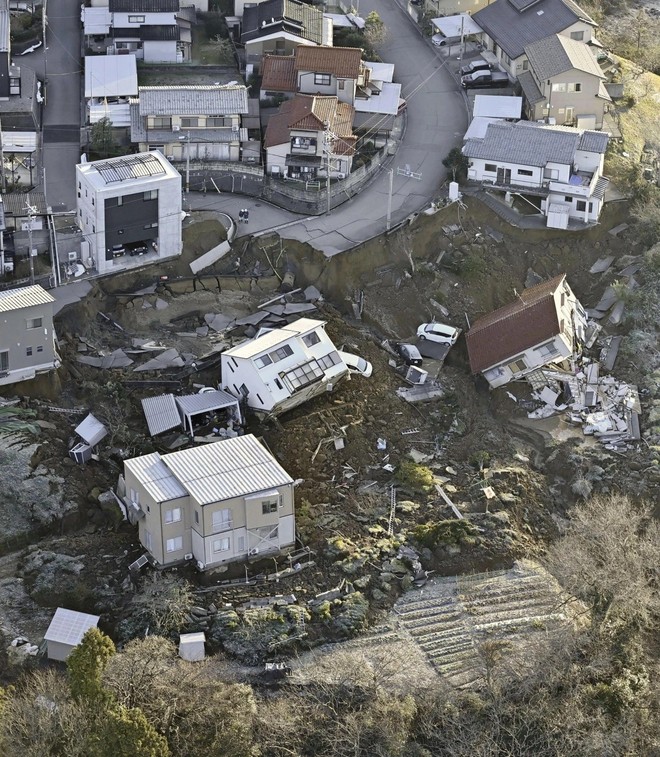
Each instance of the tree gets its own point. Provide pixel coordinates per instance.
(126, 732)
(86, 665)
(375, 30)
(162, 604)
(457, 163)
(102, 139)
(609, 557)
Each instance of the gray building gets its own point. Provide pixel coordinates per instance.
(27, 336)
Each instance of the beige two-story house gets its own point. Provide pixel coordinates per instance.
(27, 336)
(309, 138)
(219, 503)
(545, 324)
(510, 25)
(564, 83)
(190, 122)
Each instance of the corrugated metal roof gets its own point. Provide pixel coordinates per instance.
(204, 100)
(190, 404)
(5, 23)
(25, 297)
(253, 347)
(110, 76)
(69, 626)
(156, 477)
(91, 430)
(226, 469)
(161, 413)
(497, 106)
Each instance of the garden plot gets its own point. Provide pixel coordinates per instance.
(455, 620)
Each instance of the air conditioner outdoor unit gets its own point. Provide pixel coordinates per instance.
(73, 256)
(176, 127)
(189, 556)
(200, 565)
(416, 375)
(341, 175)
(254, 551)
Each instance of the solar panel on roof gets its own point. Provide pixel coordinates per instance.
(131, 167)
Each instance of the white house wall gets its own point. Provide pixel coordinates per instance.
(164, 51)
(503, 373)
(123, 20)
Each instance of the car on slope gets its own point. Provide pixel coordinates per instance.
(356, 364)
(409, 353)
(438, 332)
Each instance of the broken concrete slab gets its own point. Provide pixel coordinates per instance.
(312, 294)
(218, 321)
(254, 319)
(428, 391)
(616, 316)
(610, 351)
(161, 304)
(532, 278)
(607, 300)
(210, 257)
(618, 229)
(168, 359)
(495, 235)
(602, 264)
(630, 270)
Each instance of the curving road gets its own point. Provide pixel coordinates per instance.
(437, 120)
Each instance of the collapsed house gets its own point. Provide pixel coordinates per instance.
(215, 407)
(545, 325)
(282, 368)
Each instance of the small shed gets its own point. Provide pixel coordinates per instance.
(66, 631)
(191, 405)
(453, 26)
(191, 646)
(91, 431)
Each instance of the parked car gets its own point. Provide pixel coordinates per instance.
(485, 79)
(476, 65)
(139, 249)
(409, 353)
(439, 40)
(118, 250)
(438, 332)
(356, 364)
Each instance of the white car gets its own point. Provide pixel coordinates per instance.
(357, 364)
(439, 40)
(438, 332)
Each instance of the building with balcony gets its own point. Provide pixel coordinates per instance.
(191, 122)
(564, 83)
(219, 503)
(558, 167)
(310, 137)
(129, 211)
(282, 368)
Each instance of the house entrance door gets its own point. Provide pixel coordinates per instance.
(504, 175)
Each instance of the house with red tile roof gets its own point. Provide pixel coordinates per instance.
(545, 324)
(310, 136)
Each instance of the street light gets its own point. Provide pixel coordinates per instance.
(187, 143)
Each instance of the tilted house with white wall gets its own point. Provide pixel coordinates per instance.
(218, 503)
(283, 368)
(309, 137)
(560, 165)
(545, 325)
(27, 336)
(564, 82)
(510, 25)
(129, 210)
(196, 122)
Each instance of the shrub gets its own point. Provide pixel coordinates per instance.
(417, 477)
(444, 532)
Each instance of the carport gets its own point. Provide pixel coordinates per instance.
(460, 25)
(192, 405)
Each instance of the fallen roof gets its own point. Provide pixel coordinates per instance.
(514, 25)
(69, 627)
(226, 469)
(514, 328)
(161, 413)
(91, 430)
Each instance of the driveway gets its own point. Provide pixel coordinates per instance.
(437, 120)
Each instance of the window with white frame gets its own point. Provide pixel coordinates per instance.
(490, 167)
(578, 36)
(517, 366)
(551, 173)
(175, 544)
(524, 172)
(559, 86)
(327, 361)
(574, 87)
(222, 545)
(148, 540)
(34, 323)
(280, 353)
(269, 506)
(323, 79)
(173, 515)
(135, 20)
(304, 375)
(263, 361)
(189, 122)
(222, 519)
(547, 350)
(311, 339)
(135, 496)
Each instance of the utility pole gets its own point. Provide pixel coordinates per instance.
(389, 199)
(31, 210)
(460, 64)
(326, 150)
(2, 159)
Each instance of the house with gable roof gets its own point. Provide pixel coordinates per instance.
(546, 324)
(309, 137)
(558, 167)
(509, 26)
(190, 122)
(278, 27)
(564, 82)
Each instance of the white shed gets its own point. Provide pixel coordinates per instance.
(191, 646)
(66, 631)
